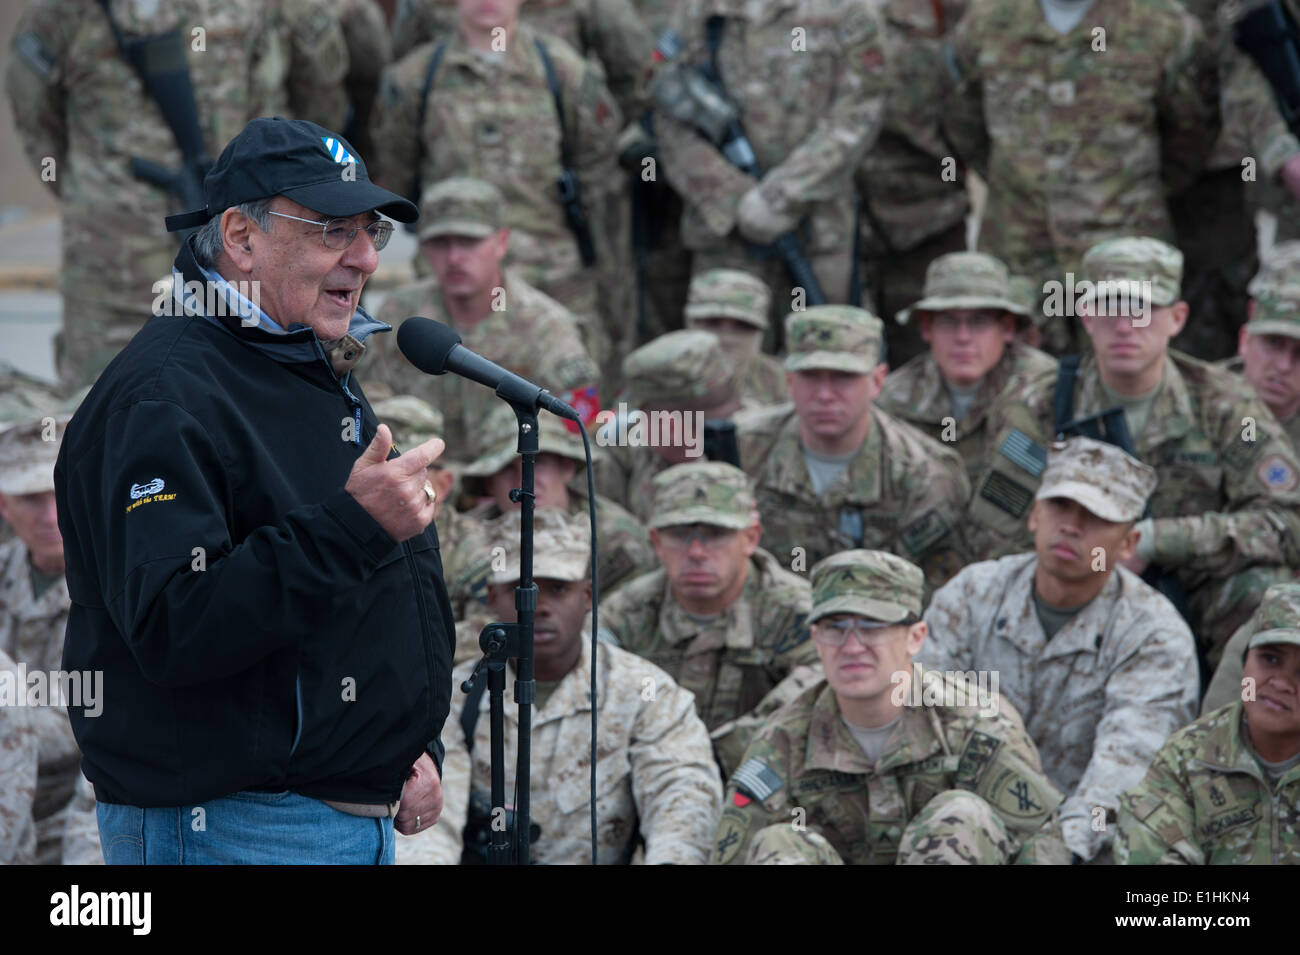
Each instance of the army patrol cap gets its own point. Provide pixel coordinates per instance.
(1105, 479)
(412, 420)
(728, 293)
(561, 545)
(496, 444)
(274, 156)
(1125, 263)
(872, 583)
(705, 492)
(26, 458)
(679, 367)
(461, 206)
(833, 337)
(966, 280)
(1276, 291)
(1278, 618)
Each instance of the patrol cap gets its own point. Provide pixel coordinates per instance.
(1105, 479)
(703, 492)
(963, 280)
(1277, 620)
(1276, 291)
(26, 458)
(681, 366)
(561, 545)
(728, 293)
(461, 206)
(495, 443)
(1126, 263)
(412, 420)
(274, 156)
(872, 583)
(834, 337)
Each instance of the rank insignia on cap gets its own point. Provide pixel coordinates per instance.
(1276, 474)
(756, 779)
(336, 150)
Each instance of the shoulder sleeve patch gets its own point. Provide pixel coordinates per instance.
(1020, 449)
(756, 779)
(730, 836)
(1277, 474)
(924, 532)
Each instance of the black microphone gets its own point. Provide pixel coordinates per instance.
(435, 349)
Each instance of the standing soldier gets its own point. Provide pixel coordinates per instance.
(807, 86)
(86, 120)
(1268, 344)
(733, 305)
(1081, 118)
(835, 472)
(498, 101)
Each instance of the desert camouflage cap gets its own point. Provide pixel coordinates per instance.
(495, 444)
(871, 583)
(1277, 619)
(1103, 478)
(561, 545)
(28, 450)
(962, 280)
(679, 367)
(1128, 262)
(412, 420)
(461, 206)
(705, 492)
(1276, 291)
(728, 293)
(833, 337)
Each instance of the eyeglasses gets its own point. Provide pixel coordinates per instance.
(682, 535)
(975, 321)
(870, 633)
(337, 234)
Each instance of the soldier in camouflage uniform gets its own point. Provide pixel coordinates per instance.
(1226, 509)
(809, 86)
(720, 616)
(877, 773)
(655, 775)
(834, 472)
(369, 50)
(1099, 665)
(490, 114)
(676, 382)
(34, 606)
(1080, 126)
(494, 309)
(733, 305)
(968, 318)
(82, 114)
(19, 759)
(1226, 789)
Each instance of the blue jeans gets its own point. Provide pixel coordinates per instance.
(244, 828)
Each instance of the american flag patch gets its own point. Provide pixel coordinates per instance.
(756, 779)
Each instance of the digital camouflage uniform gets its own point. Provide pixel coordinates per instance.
(77, 102)
(1226, 508)
(951, 787)
(81, 830)
(903, 492)
(917, 393)
(811, 103)
(530, 333)
(654, 775)
(1101, 695)
(1079, 144)
(495, 119)
(731, 293)
(731, 661)
(19, 756)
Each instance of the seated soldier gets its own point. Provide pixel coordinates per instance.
(1099, 664)
(855, 771)
(18, 766)
(656, 779)
(1268, 345)
(720, 615)
(733, 305)
(1226, 789)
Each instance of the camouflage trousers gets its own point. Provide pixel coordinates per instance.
(954, 828)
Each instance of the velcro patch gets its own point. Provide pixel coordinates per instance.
(924, 532)
(1277, 474)
(756, 779)
(1006, 494)
(1240, 454)
(1021, 450)
(975, 758)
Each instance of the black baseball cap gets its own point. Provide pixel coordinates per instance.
(274, 156)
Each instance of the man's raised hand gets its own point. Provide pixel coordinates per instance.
(392, 492)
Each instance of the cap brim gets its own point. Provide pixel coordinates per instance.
(1264, 326)
(885, 611)
(829, 360)
(472, 230)
(35, 478)
(1094, 499)
(939, 303)
(1276, 635)
(707, 311)
(349, 198)
(701, 515)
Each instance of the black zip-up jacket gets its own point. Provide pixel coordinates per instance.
(256, 628)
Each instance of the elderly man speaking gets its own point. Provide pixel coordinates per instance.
(251, 566)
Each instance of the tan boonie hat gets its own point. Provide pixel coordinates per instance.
(495, 443)
(705, 492)
(1277, 619)
(1276, 291)
(873, 583)
(461, 206)
(833, 337)
(1105, 479)
(679, 367)
(561, 545)
(728, 293)
(27, 458)
(412, 420)
(1126, 263)
(965, 280)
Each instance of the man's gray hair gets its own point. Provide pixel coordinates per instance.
(207, 241)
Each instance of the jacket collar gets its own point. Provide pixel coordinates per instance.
(787, 472)
(1172, 415)
(929, 401)
(734, 627)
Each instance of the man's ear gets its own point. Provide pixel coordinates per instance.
(752, 534)
(1032, 522)
(916, 637)
(1178, 313)
(877, 379)
(4, 507)
(237, 237)
(1127, 547)
(1242, 334)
